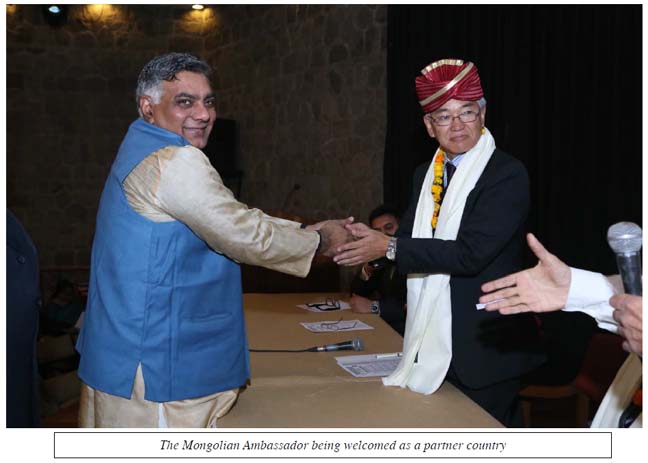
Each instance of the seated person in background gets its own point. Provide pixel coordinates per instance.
(382, 291)
(552, 285)
(63, 310)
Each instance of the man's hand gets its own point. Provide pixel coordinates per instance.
(542, 288)
(318, 225)
(369, 245)
(333, 234)
(627, 313)
(360, 304)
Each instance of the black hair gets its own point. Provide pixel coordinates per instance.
(383, 209)
(165, 67)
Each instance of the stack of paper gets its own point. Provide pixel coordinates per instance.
(362, 366)
(339, 325)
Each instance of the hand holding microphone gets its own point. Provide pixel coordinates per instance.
(625, 240)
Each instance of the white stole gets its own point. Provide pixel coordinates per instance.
(428, 330)
(619, 395)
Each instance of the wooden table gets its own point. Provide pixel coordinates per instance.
(293, 390)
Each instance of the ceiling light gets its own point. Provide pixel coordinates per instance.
(55, 15)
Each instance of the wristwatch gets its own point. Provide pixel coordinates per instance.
(391, 249)
(375, 307)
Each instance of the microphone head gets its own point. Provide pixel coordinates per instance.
(624, 237)
(358, 344)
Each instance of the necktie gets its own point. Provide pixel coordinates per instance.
(450, 170)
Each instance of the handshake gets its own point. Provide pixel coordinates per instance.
(350, 243)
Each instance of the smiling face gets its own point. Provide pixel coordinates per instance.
(458, 137)
(187, 107)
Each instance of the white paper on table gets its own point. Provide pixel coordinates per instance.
(325, 308)
(362, 366)
(336, 325)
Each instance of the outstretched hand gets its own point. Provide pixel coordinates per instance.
(542, 288)
(368, 245)
(333, 234)
(318, 226)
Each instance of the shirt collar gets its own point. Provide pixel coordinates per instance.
(455, 161)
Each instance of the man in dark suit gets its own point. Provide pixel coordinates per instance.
(23, 304)
(381, 290)
(453, 238)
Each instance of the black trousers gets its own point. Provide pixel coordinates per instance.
(499, 399)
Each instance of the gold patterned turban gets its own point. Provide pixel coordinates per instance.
(445, 80)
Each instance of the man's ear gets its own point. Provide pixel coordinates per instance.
(146, 108)
(429, 126)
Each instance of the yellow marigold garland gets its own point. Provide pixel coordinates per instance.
(437, 185)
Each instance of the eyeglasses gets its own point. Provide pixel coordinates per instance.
(446, 119)
(328, 304)
(339, 325)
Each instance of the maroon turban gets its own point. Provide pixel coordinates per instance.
(445, 80)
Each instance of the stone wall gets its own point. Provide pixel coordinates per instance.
(306, 84)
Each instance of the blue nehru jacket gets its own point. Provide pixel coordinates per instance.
(159, 296)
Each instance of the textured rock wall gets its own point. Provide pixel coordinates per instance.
(306, 84)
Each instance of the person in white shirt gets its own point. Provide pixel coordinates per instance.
(553, 285)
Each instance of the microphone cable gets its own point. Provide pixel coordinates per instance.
(310, 349)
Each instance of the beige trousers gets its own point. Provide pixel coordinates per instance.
(101, 410)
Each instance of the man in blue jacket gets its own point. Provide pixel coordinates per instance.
(163, 342)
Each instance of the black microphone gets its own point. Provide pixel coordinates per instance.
(355, 344)
(625, 240)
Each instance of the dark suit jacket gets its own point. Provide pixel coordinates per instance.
(23, 304)
(389, 287)
(487, 347)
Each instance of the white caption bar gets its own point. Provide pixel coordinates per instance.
(224, 444)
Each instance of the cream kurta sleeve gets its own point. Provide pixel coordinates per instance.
(179, 183)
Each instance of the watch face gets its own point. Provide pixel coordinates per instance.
(391, 250)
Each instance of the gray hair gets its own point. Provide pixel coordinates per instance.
(481, 102)
(165, 67)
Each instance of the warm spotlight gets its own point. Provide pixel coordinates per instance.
(198, 7)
